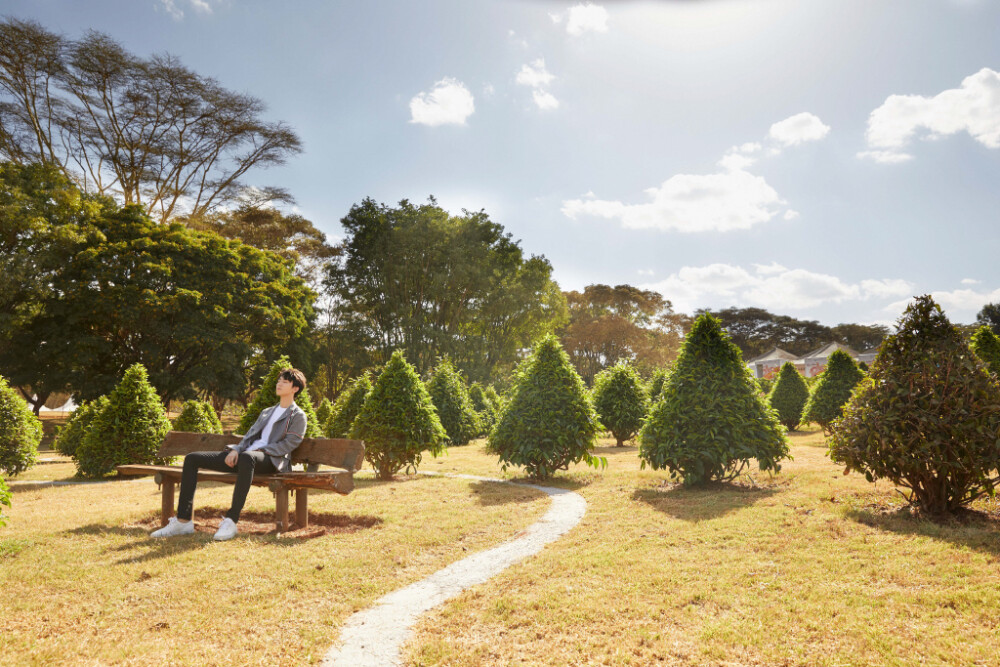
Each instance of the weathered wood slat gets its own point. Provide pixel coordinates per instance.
(341, 481)
(336, 452)
(179, 443)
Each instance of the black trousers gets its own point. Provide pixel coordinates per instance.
(247, 464)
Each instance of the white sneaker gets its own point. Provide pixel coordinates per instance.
(174, 528)
(227, 530)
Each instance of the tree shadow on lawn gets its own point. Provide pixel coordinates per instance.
(497, 493)
(970, 528)
(256, 526)
(711, 501)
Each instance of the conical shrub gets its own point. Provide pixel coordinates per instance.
(347, 407)
(195, 419)
(656, 384)
(20, 431)
(926, 417)
(484, 407)
(789, 396)
(495, 399)
(71, 435)
(266, 397)
(212, 416)
(454, 408)
(833, 389)
(986, 345)
(129, 430)
(621, 401)
(711, 419)
(550, 422)
(323, 413)
(398, 421)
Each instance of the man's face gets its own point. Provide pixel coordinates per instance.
(284, 387)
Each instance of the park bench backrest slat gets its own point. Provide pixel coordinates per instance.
(336, 452)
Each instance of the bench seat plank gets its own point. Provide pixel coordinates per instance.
(339, 480)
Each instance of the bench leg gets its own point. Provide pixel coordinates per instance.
(166, 502)
(302, 507)
(281, 509)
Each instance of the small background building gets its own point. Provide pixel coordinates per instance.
(810, 364)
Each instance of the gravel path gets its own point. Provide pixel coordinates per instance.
(375, 635)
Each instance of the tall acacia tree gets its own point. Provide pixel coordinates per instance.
(149, 131)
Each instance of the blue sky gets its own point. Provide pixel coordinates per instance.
(824, 159)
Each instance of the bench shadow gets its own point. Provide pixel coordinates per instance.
(696, 504)
(972, 528)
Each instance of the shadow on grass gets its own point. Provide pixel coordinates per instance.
(495, 493)
(696, 504)
(971, 528)
(369, 481)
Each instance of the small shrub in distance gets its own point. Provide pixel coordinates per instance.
(4, 500)
(70, 435)
(454, 408)
(129, 429)
(398, 421)
(323, 413)
(212, 416)
(826, 402)
(620, 401)
(549, 422)
(194, 419)
(20, 431)
(766, 385)
(926, 417)
(347, 407)
(484, 407)
(789, 396)
(656, 384)
(495, 399)
(266, 397)
(711, 419)
(987, 346)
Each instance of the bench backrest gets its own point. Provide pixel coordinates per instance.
(336, 452)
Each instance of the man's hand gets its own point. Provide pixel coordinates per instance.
(232, 458)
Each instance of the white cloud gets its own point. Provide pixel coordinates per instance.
(959, 304)
(545, 100)
(771, 286)
(646, 272)
(970, 281)
(587, 18)
(489, 90)
(790, 214)
(797, 129)
(170, 6)
(449, 102)
(974, 108)
(885, 157)
(534, 74)
(556, 18)
(174, 9)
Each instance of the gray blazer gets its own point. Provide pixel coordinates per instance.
(286, 434)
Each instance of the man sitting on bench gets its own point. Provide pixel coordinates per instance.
(266, 449)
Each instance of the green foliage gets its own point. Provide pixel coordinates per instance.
(833, 389)
(71, 435)
(398, 422)
(656, 384)
(454, 408)
(129, 430)
(987, 346)
(620, 401)
(789, 396)
(323, 413)
(266, 397)
(550, 422)
(495, 399)
(766, 385)
(485, 408)
(711, 419)
(347, 407)
(194, 418)
(20, 431)
(5, 498)
(926, 417)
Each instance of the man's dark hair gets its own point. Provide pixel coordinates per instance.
(295, 376)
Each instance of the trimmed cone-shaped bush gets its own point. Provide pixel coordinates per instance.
(195, 419)
(484, 407)
(620, 400)
(20, 431)
(987, 346)
(323, 413)
(789, 396)
(398, 421)
(129, 430)
(926, 417)
(266, 397)
(495, 399)
(549, 422)
(71, 435)
(212, 416)
(711, 419)
(454, 408)
(347, 407)
(656, 384)
(833, 389)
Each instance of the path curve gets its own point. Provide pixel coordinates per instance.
(375, 635)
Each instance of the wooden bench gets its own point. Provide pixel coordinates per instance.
(345, 456)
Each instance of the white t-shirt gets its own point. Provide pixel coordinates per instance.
(266, 433)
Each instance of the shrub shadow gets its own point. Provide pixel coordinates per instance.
(971, 528)
(495, 493)
(695, 504)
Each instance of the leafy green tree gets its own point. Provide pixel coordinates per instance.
(789, 396)
(454, 408)
(710, 419)
(550, 422)
(347, 407)
(71, 435)
(926, 417)
(129, 430)
(989, 315)
(485, 408)
(266, 397)
(398, 422)
(620, 401)
(323, 413)
(826, 402)
(194, 419)
(986, 344)
(20, 432)
(656, 384)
